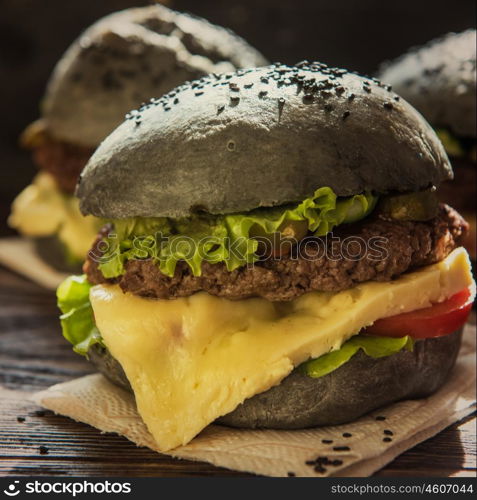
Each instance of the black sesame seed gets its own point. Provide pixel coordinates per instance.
(262, 93)
(40, 413)
(199, 93)
(380, 417)
(319, 468)
(339, 90)
(344, 116)
(351, 97)
(43, 450)
(388, 105)
(388, 432)
(396, 98)
(20, 419)
(327, 441)
(220, 108)
(310, 462)
(341, 448)
(387, 439)
(347, 434)
(324, 461)
(366, 88)
(248, 85)
(111, 81)
(290, 474)
(176, 100)
(335, 463)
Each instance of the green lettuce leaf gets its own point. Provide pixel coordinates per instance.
(461, 147)
(451, 144)
(223, 238)
(375, 347)
(77, 320)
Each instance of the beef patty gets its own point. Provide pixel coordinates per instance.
(372, 249)
(63, 161)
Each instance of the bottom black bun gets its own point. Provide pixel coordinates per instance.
(361, 385)
(52, 251)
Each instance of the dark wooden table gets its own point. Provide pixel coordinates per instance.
(33, 356)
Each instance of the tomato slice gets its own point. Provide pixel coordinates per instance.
(434, 321)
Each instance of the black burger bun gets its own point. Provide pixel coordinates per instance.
(439, 79)
(259, 138)
(54, 253)
(128, 57)
(360, 386)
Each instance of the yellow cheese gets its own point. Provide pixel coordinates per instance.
(194, 359)
(42, 210)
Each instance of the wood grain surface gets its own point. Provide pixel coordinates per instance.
(33, 356)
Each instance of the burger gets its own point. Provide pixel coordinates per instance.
(120, 61)
(275, 254)
(439, 79)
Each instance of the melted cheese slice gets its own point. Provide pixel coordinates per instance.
(194, 359)
(42, 210)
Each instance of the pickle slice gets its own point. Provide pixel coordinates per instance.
(281, 242)
(419, 206)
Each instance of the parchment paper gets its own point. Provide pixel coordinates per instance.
(18, 254)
